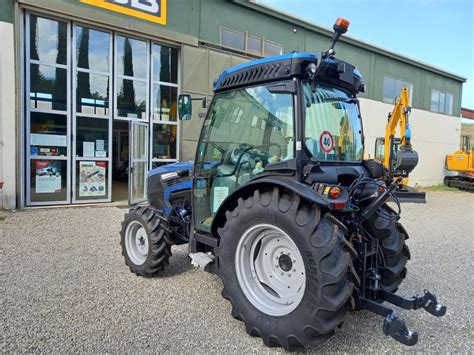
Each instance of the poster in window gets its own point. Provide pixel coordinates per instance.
(92, 178)
(47, 176)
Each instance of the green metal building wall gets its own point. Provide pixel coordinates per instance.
(194, 21)
(195, 26)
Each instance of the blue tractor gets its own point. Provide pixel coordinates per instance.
(281, 204)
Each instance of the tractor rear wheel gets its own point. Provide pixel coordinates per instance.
(145, 246)
(285, 268)
(394, 251)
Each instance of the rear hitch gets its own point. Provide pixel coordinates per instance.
(426, 300)
(394, 326)
(370, 294)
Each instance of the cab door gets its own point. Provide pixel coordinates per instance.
(138, 162)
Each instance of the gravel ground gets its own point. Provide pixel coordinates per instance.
(64, 287)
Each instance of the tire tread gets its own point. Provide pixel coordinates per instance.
(334, 255)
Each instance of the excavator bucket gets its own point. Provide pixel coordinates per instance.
(407, 160)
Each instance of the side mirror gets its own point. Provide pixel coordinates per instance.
(185, 107)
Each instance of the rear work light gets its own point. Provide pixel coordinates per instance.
(335, 192)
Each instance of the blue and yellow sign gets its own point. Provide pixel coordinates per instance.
(149, 10)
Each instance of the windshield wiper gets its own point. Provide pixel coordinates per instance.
(351, 100)
(311, 100)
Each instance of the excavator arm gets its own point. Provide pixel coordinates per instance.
(398, 117)
(399, 158)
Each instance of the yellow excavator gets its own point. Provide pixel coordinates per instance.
(462, 162)
(396, 152)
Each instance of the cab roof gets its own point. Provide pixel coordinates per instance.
(263, 70)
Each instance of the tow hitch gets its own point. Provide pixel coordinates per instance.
(393, 324)
(370, 291)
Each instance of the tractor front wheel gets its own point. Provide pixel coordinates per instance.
(144, 244)
(285, 269)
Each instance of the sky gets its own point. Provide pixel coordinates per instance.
(438, 32)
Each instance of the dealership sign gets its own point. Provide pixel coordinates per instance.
(149, 10)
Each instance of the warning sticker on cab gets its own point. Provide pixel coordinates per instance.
(220, 193)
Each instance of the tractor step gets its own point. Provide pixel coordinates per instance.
(201, 260)
(395, 326)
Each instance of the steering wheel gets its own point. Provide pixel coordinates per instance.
(239, 154)
(272, 145)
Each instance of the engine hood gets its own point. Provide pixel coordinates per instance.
(169, 168)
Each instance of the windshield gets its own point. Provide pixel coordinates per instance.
(332, 128)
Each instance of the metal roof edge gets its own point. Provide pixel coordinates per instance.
(271, 11)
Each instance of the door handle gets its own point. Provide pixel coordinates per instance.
(132, 170)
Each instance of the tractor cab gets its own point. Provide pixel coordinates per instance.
(273, 117)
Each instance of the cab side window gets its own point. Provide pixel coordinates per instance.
(245, 130)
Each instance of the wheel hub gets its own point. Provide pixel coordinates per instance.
(284, 261)
(136, 242)
(270, 269)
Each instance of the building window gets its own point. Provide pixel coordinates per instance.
(132, 75)
(233, 39)
(164, 104)
(249, 43)
(85, 88)
(271, 49)
(254, 44)
(441, 102)
(393, 87)
(47, 111)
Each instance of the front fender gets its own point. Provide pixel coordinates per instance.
(305, 191)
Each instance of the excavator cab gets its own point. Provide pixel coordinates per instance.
(462, 162)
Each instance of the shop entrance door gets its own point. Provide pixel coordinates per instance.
(138, 162)
(83, 85)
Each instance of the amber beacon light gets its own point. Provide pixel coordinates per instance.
(342, 25)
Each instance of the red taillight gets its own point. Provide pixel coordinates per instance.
(339, 205)
(335, 192)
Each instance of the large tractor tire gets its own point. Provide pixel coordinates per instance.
(394, 252)
(286, 269)
(145, 246)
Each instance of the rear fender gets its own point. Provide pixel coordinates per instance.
(305, 191)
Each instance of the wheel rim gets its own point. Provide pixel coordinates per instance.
(270, 270)
(136, 242)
